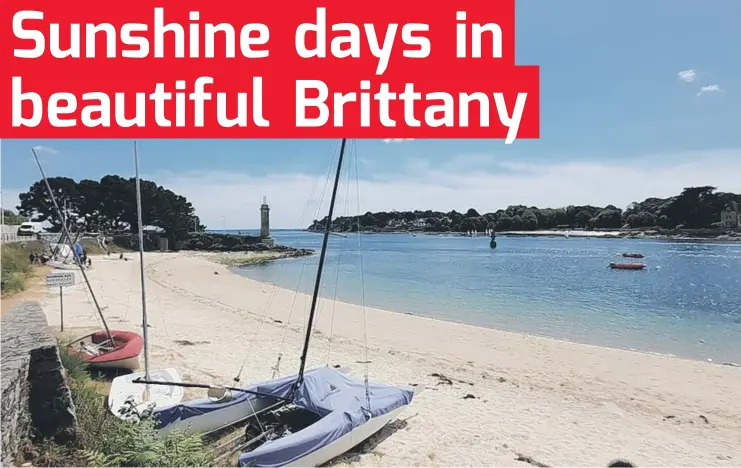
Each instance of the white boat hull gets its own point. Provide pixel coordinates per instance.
(163, 396)
(224, 417)
(221, 418)
(131, 363)
(123, 388)
(62, 266)
(348, 441)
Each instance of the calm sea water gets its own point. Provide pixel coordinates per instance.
(686, 303)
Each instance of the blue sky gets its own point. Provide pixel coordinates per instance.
(619, 122)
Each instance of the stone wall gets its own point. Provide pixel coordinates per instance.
(35, 396)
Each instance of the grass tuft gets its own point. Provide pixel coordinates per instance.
(104, 440)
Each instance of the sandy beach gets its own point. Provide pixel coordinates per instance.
(501, 395)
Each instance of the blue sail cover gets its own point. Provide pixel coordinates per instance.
(339, 399)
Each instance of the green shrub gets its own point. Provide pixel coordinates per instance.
(104, 440)
(15, 267)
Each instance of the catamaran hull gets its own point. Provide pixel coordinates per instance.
(221, 418)
(348, 441)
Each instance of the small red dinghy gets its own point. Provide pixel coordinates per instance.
(98, 351)
(627, 266)
(632, 255)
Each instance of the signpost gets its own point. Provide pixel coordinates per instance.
(60, 279)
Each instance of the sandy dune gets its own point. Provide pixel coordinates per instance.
(501, 394)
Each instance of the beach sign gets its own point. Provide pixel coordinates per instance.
(60, 279)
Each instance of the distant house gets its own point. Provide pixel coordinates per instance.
(422, 222)
(730, 217)
(394, 223)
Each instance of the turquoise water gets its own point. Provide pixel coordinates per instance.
(686, 303)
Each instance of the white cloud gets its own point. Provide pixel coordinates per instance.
(456, 185)
(709, 89)
(45, 149)
(687, 75)
(396, 140)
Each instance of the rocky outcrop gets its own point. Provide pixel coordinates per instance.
(36, 400)
(211, 242)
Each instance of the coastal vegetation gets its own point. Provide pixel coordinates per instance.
(16, 268)
(694, 208)
(13, 219)
(109, 206)
(104, 440)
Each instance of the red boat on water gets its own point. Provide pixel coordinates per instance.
(632, 255)
(627, 266)
(98, 351)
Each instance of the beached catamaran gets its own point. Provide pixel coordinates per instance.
(161, 396)
(311, 417)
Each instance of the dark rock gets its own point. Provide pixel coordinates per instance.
(443, 380)
(212, 242)
(530, 460)
(620, 464)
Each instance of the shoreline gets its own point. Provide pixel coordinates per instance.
(639, 235)
(248, 258)
(706, 360)
(560, 402)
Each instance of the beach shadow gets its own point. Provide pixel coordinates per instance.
(353, 455)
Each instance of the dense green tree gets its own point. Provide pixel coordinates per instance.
(109, 206)
(529, 220)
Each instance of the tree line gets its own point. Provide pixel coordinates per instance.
(109, 206)
(694, 208)
(11, 218)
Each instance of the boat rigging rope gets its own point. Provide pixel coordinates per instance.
(128, 298)
(362, 277)
(337, 277)
(156, 295)
(274, 288)
(92, 307)
(276, 369)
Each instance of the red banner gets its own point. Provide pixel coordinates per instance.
(302, 69)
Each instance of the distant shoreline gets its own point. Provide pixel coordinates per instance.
(652, 235)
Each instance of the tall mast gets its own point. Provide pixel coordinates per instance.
(322, 256)
(141, 263)
(65, 232)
